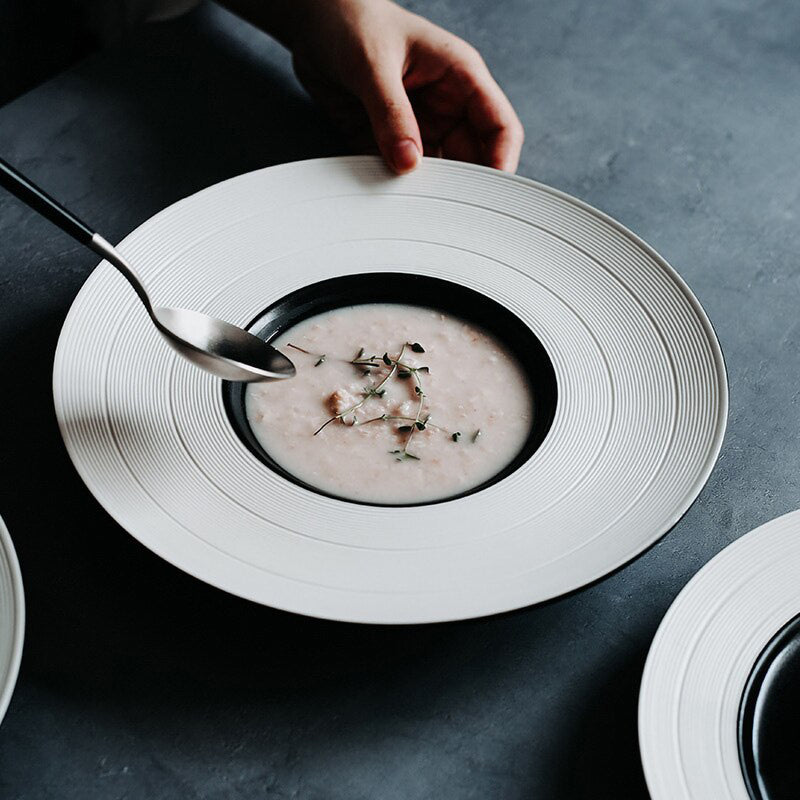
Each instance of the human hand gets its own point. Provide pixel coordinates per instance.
(390, 78)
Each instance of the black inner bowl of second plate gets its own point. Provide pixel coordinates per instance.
(408, 289)
(769, 719)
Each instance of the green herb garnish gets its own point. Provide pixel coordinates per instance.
(321, 357)
(402, 371)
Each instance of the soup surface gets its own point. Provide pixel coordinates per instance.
(392, 404)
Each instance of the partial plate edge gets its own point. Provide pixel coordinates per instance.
(10, 670)
(655, 666)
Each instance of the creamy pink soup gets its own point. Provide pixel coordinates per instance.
(450, 409)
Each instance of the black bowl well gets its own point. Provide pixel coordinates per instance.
(769, 719)
(420, 290)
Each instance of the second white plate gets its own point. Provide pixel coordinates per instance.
(702, 656)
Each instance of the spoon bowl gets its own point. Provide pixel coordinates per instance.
(218, 347)
(227, 351)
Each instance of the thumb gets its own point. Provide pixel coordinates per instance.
(393, 122)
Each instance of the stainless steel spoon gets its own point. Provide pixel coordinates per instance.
(218, 347)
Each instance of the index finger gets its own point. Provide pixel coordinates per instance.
(494, 120)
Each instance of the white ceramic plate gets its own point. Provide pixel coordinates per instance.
(639, 423)
(702, 656)
(12, 618)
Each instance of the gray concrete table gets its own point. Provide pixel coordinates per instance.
(678, 118)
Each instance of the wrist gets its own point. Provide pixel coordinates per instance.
(290, 21)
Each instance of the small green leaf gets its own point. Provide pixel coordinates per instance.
(403, 455)
(404, 429)
(387, 360)
(422, 369)
(359, 354)
(322, 359)
(417, 347)
(476, 435)
(403, 374)
(456, 436)
(420, 425)
(418, 390)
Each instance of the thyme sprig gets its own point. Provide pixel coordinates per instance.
(406, 428)
(403, 371)
(369, 391)
(418, 423)
(321, 357)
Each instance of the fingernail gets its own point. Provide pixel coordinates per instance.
(405, 155)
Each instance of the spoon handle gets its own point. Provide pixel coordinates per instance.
(30, 194)
(41, 202)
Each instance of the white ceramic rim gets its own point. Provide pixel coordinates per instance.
(417, 610)
(701, 657)
(12, 626)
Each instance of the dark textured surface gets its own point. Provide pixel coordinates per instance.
(38, 38)
(680, 119)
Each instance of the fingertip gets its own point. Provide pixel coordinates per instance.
(391, 115)
(505, 148)
(506, 163)
(404, 156)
